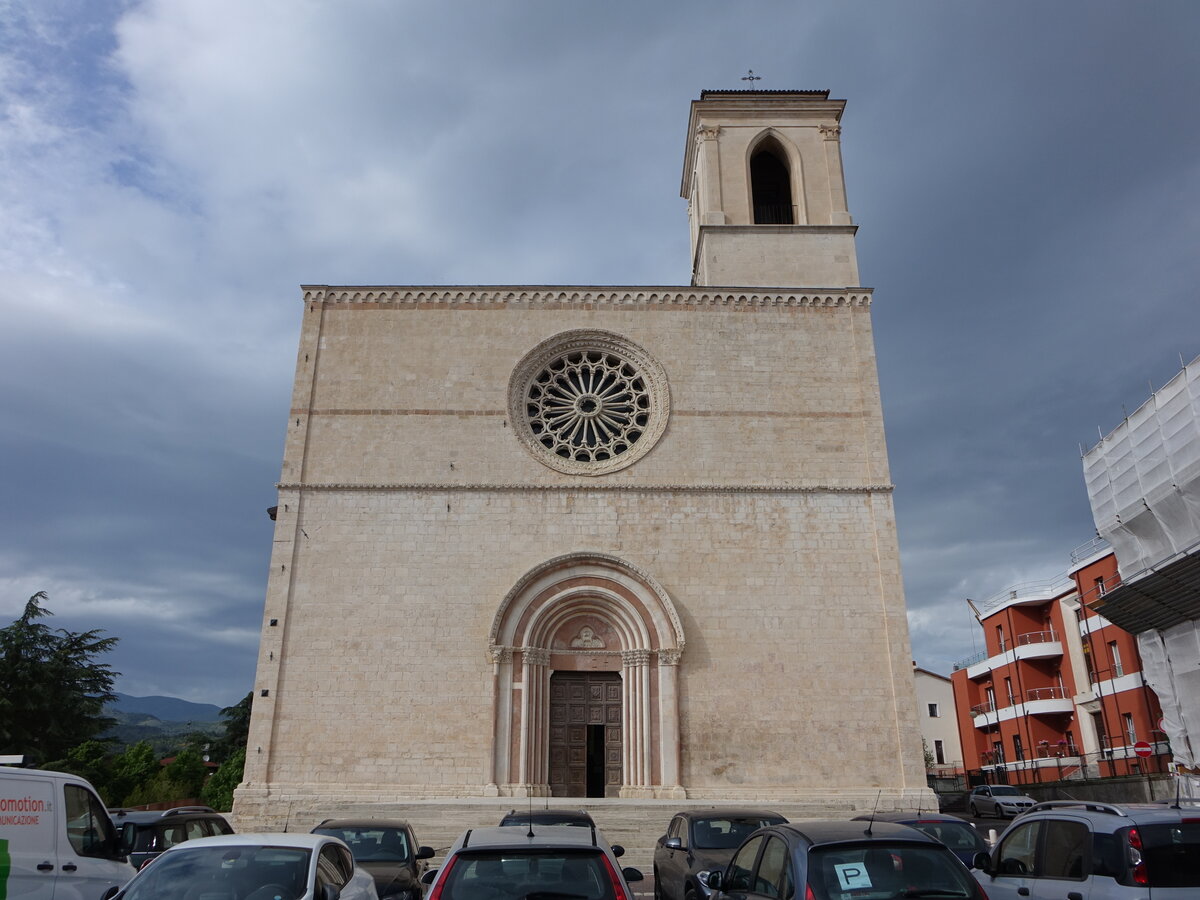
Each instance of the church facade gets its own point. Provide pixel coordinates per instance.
(598, 541)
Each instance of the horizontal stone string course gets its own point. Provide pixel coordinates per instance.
(683, 413)
(666, 298)
(590, 487)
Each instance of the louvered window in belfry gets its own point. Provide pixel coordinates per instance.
(772, 185)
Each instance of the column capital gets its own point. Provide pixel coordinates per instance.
(536, 656)
(635, 657)
(669, 656)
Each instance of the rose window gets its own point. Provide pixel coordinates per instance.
(589, 402)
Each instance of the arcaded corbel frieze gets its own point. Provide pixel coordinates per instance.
(579, 297)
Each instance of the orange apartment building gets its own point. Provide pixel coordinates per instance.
(1058, 691)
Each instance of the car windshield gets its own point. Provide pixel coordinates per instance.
(1172, 854)
(373, 844)
(727, 832)
(545, 874)
(249, 872)
(1003, 791)
(882, 871)
(955, 835)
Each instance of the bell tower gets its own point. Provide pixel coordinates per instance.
(762, 174)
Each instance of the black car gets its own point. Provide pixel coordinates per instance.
(388, 850)
(699, 840)
(547, 817)
(840, 860)
(957, 834)
(148, 833)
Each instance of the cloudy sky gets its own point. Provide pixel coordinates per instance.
(1025, 175)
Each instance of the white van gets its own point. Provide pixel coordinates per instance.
(56, 839)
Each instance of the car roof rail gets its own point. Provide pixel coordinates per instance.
(1089, 805)
(189, 809)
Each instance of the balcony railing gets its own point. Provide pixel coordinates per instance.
(970, 660)
(1046, 693)
(1037, 637)
(983, 709)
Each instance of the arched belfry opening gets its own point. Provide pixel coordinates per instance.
(771, 184)
(585, 651)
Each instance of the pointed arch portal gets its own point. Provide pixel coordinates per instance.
(585, 613)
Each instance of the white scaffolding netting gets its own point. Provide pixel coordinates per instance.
(1143, 479)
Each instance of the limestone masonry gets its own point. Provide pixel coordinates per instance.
(588, 541)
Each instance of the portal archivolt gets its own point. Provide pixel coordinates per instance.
(586, 612)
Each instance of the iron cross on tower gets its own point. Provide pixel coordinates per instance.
(751, 77)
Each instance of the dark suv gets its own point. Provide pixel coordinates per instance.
(148, 833)
(388, 850)
(700, 840)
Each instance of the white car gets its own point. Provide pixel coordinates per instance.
(254, 867)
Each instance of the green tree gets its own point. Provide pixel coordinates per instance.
(137, 766)
(237, 729)
(52, 690)
(218, 790)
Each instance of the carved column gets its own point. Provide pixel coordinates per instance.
(636, 672)
(534, 759)
(668, 702)
(839, 213)
(709, 155)
(502, 716)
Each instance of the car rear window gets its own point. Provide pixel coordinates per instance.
(728, 832)
(516, 875)
(372, 844)
(222, 871)
(955, 835)
(1172, 854)
(881, 871)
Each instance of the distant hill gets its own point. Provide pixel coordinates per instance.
(161, 721)
(167, 709)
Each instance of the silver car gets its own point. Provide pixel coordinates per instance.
(1001, 800)
(253, 867)
(1098, 851)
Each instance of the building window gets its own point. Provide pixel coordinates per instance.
(1009, 691)
(771, 184)
(1130, 729)
(588, 402)
(1100, 589)
(1018, 750)
(933, 711)
(991, 698)
(1114, 654)
(939, 753)
(1000, 637)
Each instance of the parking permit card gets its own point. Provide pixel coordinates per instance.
(852, 876)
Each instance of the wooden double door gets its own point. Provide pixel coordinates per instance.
(585, 734)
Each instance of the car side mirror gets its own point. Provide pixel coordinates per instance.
(631, 874)
(428, 875)
(618, 850)
(982, 861)
(673, 843)
(714, 880)
(424, 852)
